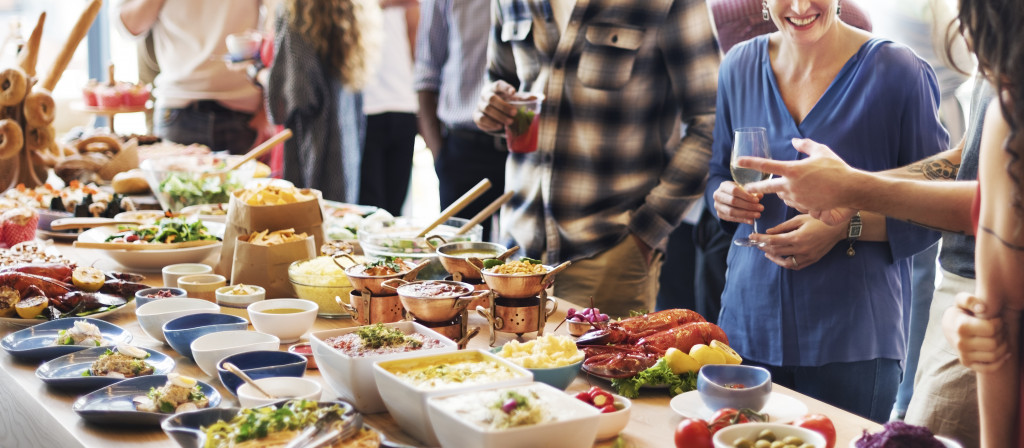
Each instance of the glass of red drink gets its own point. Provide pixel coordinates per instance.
(522, 133)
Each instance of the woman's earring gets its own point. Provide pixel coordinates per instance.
(764, 11)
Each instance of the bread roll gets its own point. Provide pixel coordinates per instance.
(130, 182)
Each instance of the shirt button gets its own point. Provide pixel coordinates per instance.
(558, 66)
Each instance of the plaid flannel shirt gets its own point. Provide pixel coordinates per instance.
(618, 84)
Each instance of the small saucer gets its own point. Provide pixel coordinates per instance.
(780, 408)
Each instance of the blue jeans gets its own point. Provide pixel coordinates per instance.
(207, 123)
(865, 388)
(923, 278)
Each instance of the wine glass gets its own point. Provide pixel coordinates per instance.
(749, 142)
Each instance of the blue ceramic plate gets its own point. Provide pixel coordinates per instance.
(36, 342)
(66, 372)
(115, 405)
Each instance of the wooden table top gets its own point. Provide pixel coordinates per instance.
(35, 415)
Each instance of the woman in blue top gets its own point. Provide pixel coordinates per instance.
(824, 312)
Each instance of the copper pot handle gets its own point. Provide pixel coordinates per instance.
(353, 313)
(411, 275)
(435, 236)
(554, 307)
(508, 253)
(335, 257)
(549, 278)
(465, 339)
(388, 283)
(491, 320)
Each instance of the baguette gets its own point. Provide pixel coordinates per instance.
(30, 54)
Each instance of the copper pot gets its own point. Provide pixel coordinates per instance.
(521, 286)
(375, 283)
(434, 307)
(367, 309)
(453, 256)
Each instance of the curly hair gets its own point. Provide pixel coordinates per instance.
(342, 32)
(990, 28)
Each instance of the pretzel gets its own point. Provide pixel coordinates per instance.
(13, 84)
(38, 138)
(11, 139)
(39, 108)
(99, 143)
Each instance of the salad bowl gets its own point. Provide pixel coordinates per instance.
(153, 260)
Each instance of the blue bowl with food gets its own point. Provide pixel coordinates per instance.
(260, 364)
(181, 331)
(734, 386)
(144, 296)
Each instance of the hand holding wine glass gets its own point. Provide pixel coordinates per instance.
(749, 142)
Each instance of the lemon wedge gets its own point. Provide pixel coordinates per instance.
(680, 362)
(731, 357)
(88, 279)
(706, 355)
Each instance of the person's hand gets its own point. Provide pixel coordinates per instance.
(735, 204)
(492, 111)
(816, 185)
(799, 242)
(981, 343)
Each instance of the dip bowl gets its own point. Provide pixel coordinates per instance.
(570, 423)
(281, 387)
(352, 377)
(734, 386)
(407, 402)
(521, 286)
(181, 331)
(435, 300)
(142, 296)
(210, 349)
(260, 364)
(288, 319)
(726, 437)
(153, 315)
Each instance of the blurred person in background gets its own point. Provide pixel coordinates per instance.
(451, 55)
(390, 106)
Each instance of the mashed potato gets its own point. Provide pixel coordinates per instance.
(545, 352)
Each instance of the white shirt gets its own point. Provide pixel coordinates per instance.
(390, 89)
(188, 39)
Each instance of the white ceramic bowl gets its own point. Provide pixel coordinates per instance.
(352, 378)
(236, 304)
(171, 273)
(574, 423)
(611, 424)
(153, 260)
(286, 326)
(202, 286)
(209, 349)
(408, 403)
(724, 438)
(281, 387)
(153, 315)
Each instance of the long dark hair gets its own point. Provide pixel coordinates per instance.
(992, 29)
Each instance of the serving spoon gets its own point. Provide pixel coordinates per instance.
(234, 369)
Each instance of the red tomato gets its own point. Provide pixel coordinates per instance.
(726, 417)
(819, 424)
(693, 433)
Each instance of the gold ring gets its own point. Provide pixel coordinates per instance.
(792, 258)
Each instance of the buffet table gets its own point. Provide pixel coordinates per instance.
(34, 415)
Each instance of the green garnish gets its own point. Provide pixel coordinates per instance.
(166, 230)
(393, 263)
(257, 423)
(377, 336)
(492, 262)
(657, 375)
(522, 121)
(529, 260)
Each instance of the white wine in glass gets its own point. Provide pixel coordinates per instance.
(749, 142)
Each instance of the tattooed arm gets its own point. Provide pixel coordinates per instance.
(942, 166)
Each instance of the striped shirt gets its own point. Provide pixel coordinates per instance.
(451, 52)
(618, 84)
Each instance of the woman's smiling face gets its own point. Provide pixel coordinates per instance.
(803, 21)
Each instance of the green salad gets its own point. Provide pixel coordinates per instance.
(164, 230)
(184, 190)
(258, 423)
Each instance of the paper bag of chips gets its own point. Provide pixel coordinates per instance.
(270, 212)
(264, 260)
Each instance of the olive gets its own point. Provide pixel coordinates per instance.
(766, 434)
(762, 444)
(778, 444)
(806, 445)
(742, 443)
(793, 440)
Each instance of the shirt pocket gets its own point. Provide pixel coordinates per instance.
(609, 53)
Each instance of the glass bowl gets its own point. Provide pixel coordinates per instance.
(182, 181)
(320, 280)
(396, 237)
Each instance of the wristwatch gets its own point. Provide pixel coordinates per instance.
(853, 233)
(253, 70)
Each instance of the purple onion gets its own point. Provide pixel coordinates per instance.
(509, 406)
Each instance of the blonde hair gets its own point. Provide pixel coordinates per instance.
(342, 32)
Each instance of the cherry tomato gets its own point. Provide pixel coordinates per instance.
(820, 424)
(726, 417)
(693, 433)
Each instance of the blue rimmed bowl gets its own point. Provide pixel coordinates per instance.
(734, 386)
(260, 364)
(181, 331)
(142, 296)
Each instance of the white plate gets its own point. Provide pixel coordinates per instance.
(154, 260)
(780, 408)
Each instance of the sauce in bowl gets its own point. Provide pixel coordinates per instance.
(434, 289)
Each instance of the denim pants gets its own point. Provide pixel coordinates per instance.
(207, 123)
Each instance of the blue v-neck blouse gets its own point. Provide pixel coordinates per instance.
(878, 113)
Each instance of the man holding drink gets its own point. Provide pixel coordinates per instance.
(611, 175)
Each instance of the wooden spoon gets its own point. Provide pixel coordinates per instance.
(486, 212)
(260, 149)
(458, 205)
(234, 369)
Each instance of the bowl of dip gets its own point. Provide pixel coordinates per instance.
(406, 384)
(234, 299)
(534, 414)
(144, 296)
(346, 361)
(288, 319)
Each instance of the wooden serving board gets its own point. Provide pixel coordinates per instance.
(143, 246)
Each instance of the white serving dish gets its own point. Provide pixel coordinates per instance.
(209, 349)
(153, 315)
(154, 260)
(353, 378)
(724, 438)
(611, 424)
(408, 404)
(574, 424)
(288, 327)
(281, 387)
